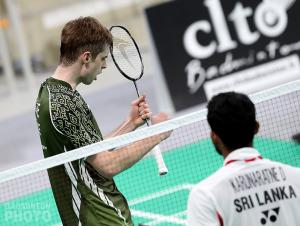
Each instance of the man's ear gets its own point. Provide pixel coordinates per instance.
(214, 137)
(256, 127)
(86, 57)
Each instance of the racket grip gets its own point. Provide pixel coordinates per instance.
(162, 168)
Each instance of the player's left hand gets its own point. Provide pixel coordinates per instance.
(139, 111)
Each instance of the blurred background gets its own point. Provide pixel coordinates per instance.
(192, 49)
(29, 53)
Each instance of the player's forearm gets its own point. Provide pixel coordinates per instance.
(111, 163)
(129, 155)
(126, 127)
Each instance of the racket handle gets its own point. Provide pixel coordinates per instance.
(162, 169)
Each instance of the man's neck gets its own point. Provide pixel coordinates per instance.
(227, 151)
(68, 74)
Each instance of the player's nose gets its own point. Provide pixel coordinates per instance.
(104, 65)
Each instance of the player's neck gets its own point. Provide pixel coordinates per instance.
(68, 74)
(227, 151)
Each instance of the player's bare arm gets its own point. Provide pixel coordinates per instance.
(110, 163)
(139, 112)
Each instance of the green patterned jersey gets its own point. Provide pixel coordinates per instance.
(82, 195)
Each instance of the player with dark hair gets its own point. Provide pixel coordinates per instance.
(232, 117)
(84, 190)
(248, 190)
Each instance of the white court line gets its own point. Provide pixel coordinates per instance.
(158, 218)
(158, 221)
(155, 216)
(160, 193)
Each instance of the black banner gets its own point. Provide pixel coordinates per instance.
(210, 46)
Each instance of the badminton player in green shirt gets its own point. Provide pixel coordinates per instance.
(84, 190)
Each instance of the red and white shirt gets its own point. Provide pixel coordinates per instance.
(247, 191)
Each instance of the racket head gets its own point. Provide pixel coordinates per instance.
(126, 54)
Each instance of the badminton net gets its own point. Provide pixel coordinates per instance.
(26, 195)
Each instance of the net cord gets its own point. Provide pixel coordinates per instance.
(136, 135)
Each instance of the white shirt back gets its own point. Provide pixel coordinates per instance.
(247, 191)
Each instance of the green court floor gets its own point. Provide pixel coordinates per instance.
(153, 199)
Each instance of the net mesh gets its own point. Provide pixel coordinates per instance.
(125, 53)
(26, 196)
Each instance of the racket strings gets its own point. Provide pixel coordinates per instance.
(126, 54)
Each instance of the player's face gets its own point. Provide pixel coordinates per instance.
(95, 67)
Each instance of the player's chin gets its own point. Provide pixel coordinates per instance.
(88, 81)
(97, 74)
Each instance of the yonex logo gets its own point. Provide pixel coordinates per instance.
(269, 215)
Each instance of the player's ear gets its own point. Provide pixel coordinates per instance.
(256, 127)
(214, 137)
(86, 57)
(216, 140)
(218, 143)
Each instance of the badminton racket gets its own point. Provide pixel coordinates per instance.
(128, 60)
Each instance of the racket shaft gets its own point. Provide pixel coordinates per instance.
(162, 169)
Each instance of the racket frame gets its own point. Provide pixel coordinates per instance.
(137, 48)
